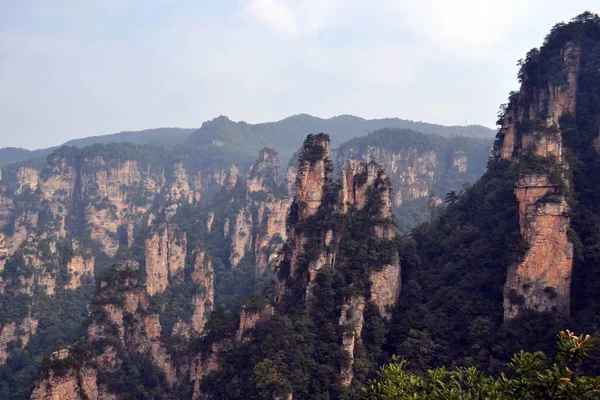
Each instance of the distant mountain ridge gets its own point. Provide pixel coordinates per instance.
(165, 137)
(244, 139)
(287, 135)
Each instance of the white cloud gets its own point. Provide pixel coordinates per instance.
(293, 17)
(274, 13)
(468, 28)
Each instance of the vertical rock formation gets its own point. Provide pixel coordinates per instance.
(413, 172)
(531, 131)
(323, 218)
(263, 175)
(314, 173)
(80, 265)
(241, 238)
(209, 221)
(74, 384)
(542, 281)
(204, 299)
(165, 257)
(250, 316)
(271, 232)
(180, 187)
(351, 318)
(107, 187)
(121, 314)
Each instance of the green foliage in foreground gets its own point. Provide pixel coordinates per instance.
(532, 376)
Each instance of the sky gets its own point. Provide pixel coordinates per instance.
(77, 68)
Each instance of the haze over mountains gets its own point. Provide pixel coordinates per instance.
(247, 139)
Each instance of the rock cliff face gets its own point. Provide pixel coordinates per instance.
(352, 317)
(532, 130)
(165, 257)
(271, 232)
(250, 316)
(314, 173)
(264, 174)
(80, 265)
(418, 165)
(120, 312)
(542, 282)
(412, 173)
(203, 301)
(361, 194)
(241, 238)
(74, 384)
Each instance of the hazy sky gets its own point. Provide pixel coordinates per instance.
(87, 67)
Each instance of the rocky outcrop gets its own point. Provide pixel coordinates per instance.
(363, 193)
(76, 383)
(204, 364)
(123, 308)
(17, 334)
(57, 187)
(542, 281)
(250, 316)
(81, 264)
(27, 180)
(209, 221)
(532, 119)
(263, 175)
(106, 187)
(385, 288)
(531, 127)
(314, 173)
(412, 173)
(352, 319)
(180, 187)
(204, 299)
(165, 257)
(459, 161)
(271, 233)
(241, 238)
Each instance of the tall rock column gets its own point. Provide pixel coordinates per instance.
(531, 129)
(313, 174)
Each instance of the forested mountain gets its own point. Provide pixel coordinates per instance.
(245, 140)
(133, 271)
(10, 155)
(422, 168)
(165, 137)
(68, 221)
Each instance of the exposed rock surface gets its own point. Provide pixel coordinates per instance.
(412, 173)
(314, 173)
(264, 173)
(547, 104)
(203, 301)
(271, 233)
(165, 257)
(352, 319)
(250, 316)
(542, 281)
(363, 187)
(241, 238)
(80, 265)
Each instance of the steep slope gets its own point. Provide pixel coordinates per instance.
(510, 259)
(337, 280)
(421, 167)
